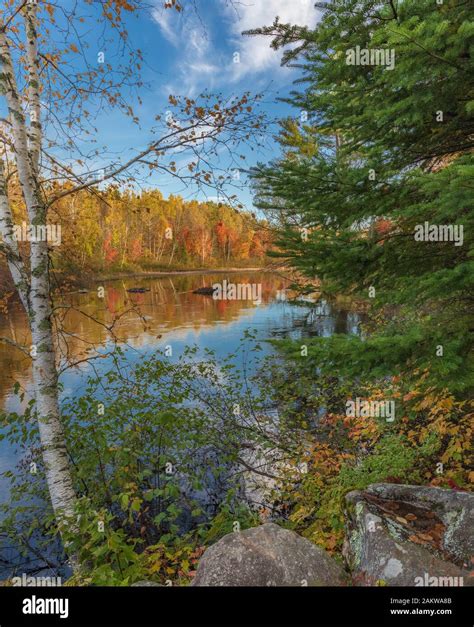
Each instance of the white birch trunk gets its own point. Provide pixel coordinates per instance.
(27, 145)
(34, 102)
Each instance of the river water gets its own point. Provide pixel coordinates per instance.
(167, 314)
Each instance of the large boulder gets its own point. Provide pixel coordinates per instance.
(402, 535)
(267, 555)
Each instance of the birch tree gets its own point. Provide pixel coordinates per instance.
(50, 91)
(33, 285)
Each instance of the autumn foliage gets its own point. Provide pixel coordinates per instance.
(123, 230)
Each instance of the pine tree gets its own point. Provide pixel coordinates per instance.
(393, 164)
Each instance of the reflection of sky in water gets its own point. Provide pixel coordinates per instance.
(275, 319)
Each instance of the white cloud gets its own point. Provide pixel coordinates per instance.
(164, 18)
(206, 59)
(194, 67)
(255, 53)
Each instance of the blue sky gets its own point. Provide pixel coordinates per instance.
(194, 51)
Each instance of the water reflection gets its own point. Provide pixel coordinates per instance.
(168, 314)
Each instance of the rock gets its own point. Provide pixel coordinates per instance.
(267, 555)
(206, 291)
(403, 535)
(454, 508)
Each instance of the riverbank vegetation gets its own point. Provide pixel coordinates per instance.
(158, 453)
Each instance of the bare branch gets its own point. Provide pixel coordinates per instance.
(23, 349)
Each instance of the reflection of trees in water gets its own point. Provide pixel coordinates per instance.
(323, 320)
(14, 365)
(143, 318)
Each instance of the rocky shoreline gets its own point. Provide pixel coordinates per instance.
(396, 535)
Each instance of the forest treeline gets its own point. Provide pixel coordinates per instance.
(116, 230)
(122, 229)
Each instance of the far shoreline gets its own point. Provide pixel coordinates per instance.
(86, 281)
(165, 273)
